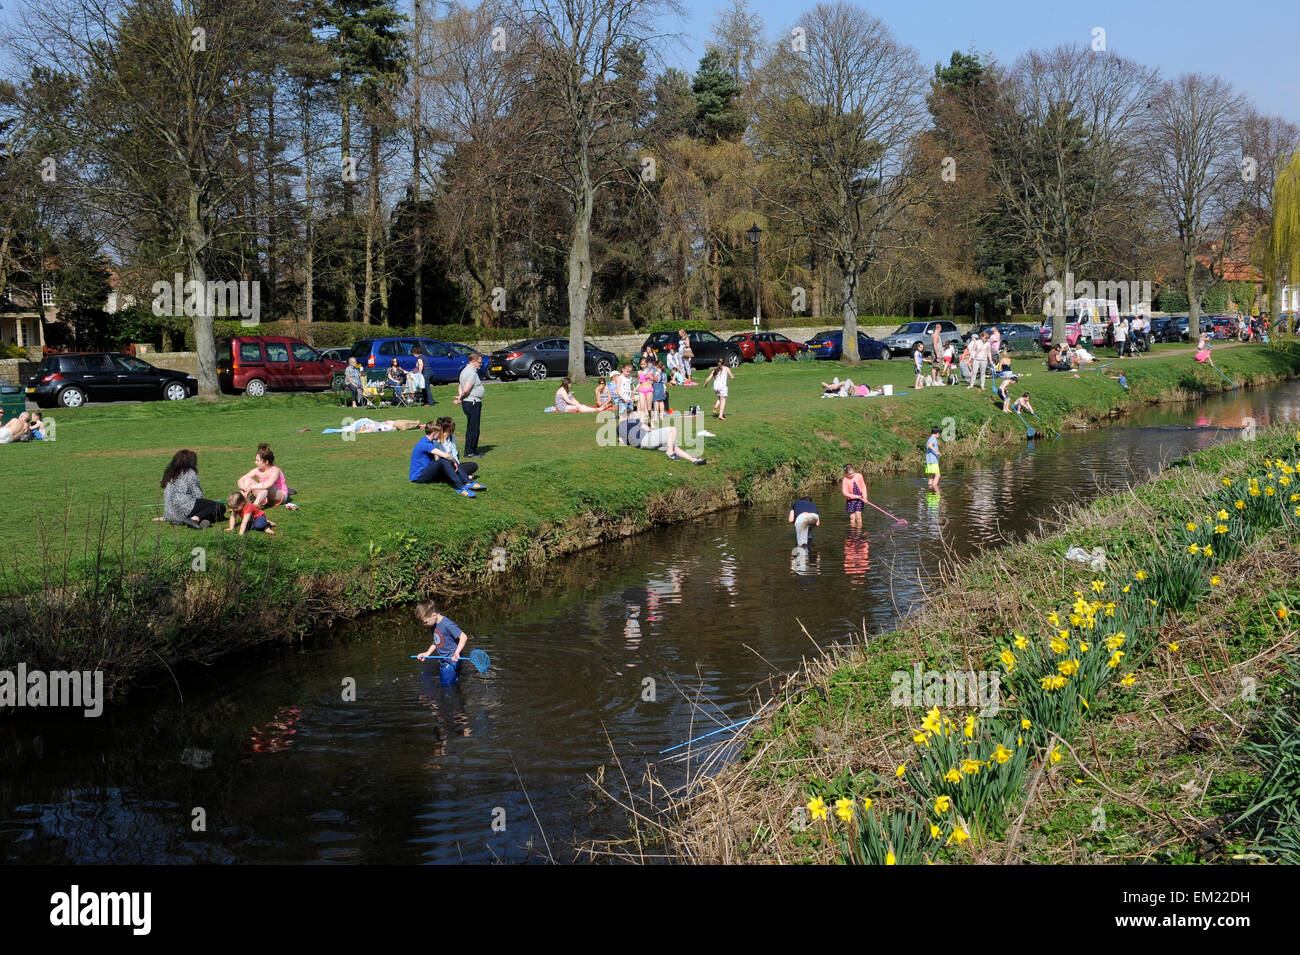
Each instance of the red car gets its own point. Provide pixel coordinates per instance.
(255, 364)
(746, 343)
(769, 344)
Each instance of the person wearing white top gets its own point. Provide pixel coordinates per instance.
(979, 359)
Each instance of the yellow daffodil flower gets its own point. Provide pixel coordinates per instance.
(1068, 667)
(969, 729)
(1115, 657)
(1001, 754)
(889, 858)
(1050, 683)
(1021, 642)
(942, 803)
(958, 836)
(1173, 647)
(952, 775)
(867, 802)
(1025, 724)
(902, 768)
(970, 767)
(818, 808)
(1054, 757)
(844, 809)
(1214, 580)
(1128, 680)
(1140, 575)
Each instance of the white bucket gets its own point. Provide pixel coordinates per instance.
(887, 390)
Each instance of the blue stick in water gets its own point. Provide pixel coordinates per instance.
(1029, 432)
(478, 658)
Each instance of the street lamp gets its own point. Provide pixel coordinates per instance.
(754, 233)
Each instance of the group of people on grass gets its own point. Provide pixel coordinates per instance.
(436, 459)
(260, 489)
(414, 386)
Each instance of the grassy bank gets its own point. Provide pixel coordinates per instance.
(1146, 710)
(92, 581)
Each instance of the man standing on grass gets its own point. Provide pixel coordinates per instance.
(470, 398)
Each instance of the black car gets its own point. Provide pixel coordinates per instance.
(539, 358)
(72, 380)
(706, 348)
(1166, 330)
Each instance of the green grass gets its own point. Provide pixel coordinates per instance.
(79, 503)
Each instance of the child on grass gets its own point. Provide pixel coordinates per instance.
(252, 517)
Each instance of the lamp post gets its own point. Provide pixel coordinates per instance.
(754, 233)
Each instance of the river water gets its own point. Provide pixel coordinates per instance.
(601, 660)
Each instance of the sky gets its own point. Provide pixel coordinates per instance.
(1254, 44)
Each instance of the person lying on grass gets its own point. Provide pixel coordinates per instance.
(251, 516)
(633, 432)
(15, 429)
(371, 426)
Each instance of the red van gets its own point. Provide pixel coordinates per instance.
(255, 364)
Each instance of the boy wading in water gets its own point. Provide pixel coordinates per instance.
(854, 487)
(804, 517)
(448, 639)
(932, 459)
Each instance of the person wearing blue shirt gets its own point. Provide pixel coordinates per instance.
(448, 639)
(430, 463)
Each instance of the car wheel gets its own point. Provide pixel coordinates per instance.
(175, 391)
(337, 384)
(256, 388)
(603, 368)
(537, 371)
(733, 360)
(72, 398)
(885, 354)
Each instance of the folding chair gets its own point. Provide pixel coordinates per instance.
(403, 398)
(370, 397)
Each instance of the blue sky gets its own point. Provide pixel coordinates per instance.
(1255, 44)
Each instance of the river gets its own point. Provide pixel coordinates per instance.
(600, 660)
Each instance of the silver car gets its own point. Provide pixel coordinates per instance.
(905, 337)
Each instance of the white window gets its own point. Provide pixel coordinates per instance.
(47, 294)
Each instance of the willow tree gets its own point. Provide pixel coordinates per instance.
(1282, 264)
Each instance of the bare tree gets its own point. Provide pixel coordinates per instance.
(1193, 161)
(840, 109)
(1267, 145)
(582, 115)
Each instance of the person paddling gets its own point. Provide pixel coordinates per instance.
(448, 639)
(854, 487)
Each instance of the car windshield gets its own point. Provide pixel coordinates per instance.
(910, 328)
(519, 346)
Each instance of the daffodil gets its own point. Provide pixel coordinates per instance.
(1085, 703)
(1214, 580)
(1084, 646)
(1021, 642)
(1025, 724)
(1058, 644)
(902, 768)
(953, 776)
(935, 832)
(1240, 505)
(1282, 612)
(1173, 646)
(1068, 667)
(1008, 660)
(1222, 515)
(1227, 482)
(941, 803)
(1140, 575)
(1207, 551)
(921, 740)
(1099, 585)
(1128, 680)
(844, 809)
(1001, 754)
(969, 730)
(1050, 683)
(867, 802)
(1220, 528)
(818, 808)
(1054, 757)
(1115, 642)
(1053, 619)
(1126, 586)
(889, 858)
(1115, 658)
(1191, 526)
(932, 722)
(1110, 609)
(1193, 549)
(970, 767)
(958, 836)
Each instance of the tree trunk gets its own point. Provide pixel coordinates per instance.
(309, 278)
(196, 243)
(580, 271)
(272, 232)
(1193, 300)
(849, 271)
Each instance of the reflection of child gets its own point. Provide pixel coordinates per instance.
(254, 518)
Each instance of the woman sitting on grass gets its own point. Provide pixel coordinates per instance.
(265, 485)
(447, 441)
(564, 400)
(431, 464)
(183, 502)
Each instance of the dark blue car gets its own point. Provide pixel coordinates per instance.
(442, 362)
(829, 345)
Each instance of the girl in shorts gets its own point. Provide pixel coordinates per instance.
(854, 487)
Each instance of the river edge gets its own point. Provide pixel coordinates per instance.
(200, 623)
(822, 727)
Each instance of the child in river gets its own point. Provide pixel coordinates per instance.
(854, 487)
(932, 459)
(448, 639)
(804, 517)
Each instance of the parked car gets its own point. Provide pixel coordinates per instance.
(1166, 330)
(469, 351)
(829, 345)
(1015, 336)
(706, 347)
(441, 361)
(1184, 324)
(337, 353)
(1219, 326)
(72, 380)
(539, 358)
(772, 344)
(747, 342)
(905, 337)
(255, 364)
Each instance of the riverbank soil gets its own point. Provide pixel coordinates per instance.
(1189, 759)
(90, 578)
